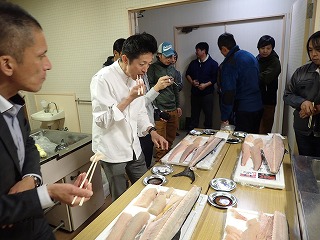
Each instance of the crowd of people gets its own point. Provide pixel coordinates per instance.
(136, 107)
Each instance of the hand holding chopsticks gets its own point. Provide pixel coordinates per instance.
(94, 159)
(139, 81)
(310, 118)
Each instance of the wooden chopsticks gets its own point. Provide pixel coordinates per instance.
(95, 159)
(310, 118)
(140, 81)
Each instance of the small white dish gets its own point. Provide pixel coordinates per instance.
(162, 170)
(222, 184)
(240, 134)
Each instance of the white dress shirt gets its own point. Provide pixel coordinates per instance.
(115, 133)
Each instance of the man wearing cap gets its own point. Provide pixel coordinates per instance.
(202, 75)
(168, 99)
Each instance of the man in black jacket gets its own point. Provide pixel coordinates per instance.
(23, 66)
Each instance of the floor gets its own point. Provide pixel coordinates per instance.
(65, 235)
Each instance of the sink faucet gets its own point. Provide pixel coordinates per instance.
(47, 108)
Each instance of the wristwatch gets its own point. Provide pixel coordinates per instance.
(37, 181)
(152, 129)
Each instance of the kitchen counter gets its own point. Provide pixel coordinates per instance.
(211, 223)
(307, 192)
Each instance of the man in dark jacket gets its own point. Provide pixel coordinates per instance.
(23, 66)
(240, 94)
(202, 75)
(303, 94)
(270, 70)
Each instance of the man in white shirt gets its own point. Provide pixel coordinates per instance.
(120, 115)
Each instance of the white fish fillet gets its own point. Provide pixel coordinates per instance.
(273, 153)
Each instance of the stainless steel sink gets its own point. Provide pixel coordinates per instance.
(315, 166)
(64, 142)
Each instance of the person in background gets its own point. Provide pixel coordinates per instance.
(117, 47)
(303, 94)
(239, 84)
(270, 70)
(178, 74)
(23, 66)
(202, 75)
(168, 99)
(120, 115)
(151, 94)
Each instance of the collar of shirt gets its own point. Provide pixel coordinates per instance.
(12, 106)
(204, 59)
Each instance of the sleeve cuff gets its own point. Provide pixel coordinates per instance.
(44, 197)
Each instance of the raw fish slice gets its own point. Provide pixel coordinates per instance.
(266, 226)
(119, 227)
(245, 153)
(190, 148)
(280, 227)
(248, 142)
(210, 146)
(166, 226)
(252, 231)
(135, 225)
(273, 153)
(232, 232)
(178, 149)
(146, 198)
(255, 152)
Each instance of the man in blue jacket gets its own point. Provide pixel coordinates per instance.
(202, 75)
(240, 102)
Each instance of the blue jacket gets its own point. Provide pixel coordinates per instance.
(239, 83)
(204, 72)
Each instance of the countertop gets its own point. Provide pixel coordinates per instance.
(307, 192)
(212, 220)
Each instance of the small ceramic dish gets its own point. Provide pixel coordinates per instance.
(234, 140)
(222, 200)
(209, 131)
(155, 180)
(222, 184)
(195, 132)
(162, 170)
(240, 134)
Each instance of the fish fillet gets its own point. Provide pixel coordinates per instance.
(273, 153)
(189, 149)
(280, 227)
(178, 149)
(248, 142)
(255, 152)
(158, 204)
(119, 227)
(146, 198)
(135, 225)
(171, 221)
(209, 146)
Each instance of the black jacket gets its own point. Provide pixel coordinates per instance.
(270, 70)
(304, 85)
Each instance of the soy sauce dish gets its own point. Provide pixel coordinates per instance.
(222, 200)
(222, 184)
(155, 180)
(234, 140)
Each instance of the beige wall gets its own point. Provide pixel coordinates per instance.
(80, 35)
